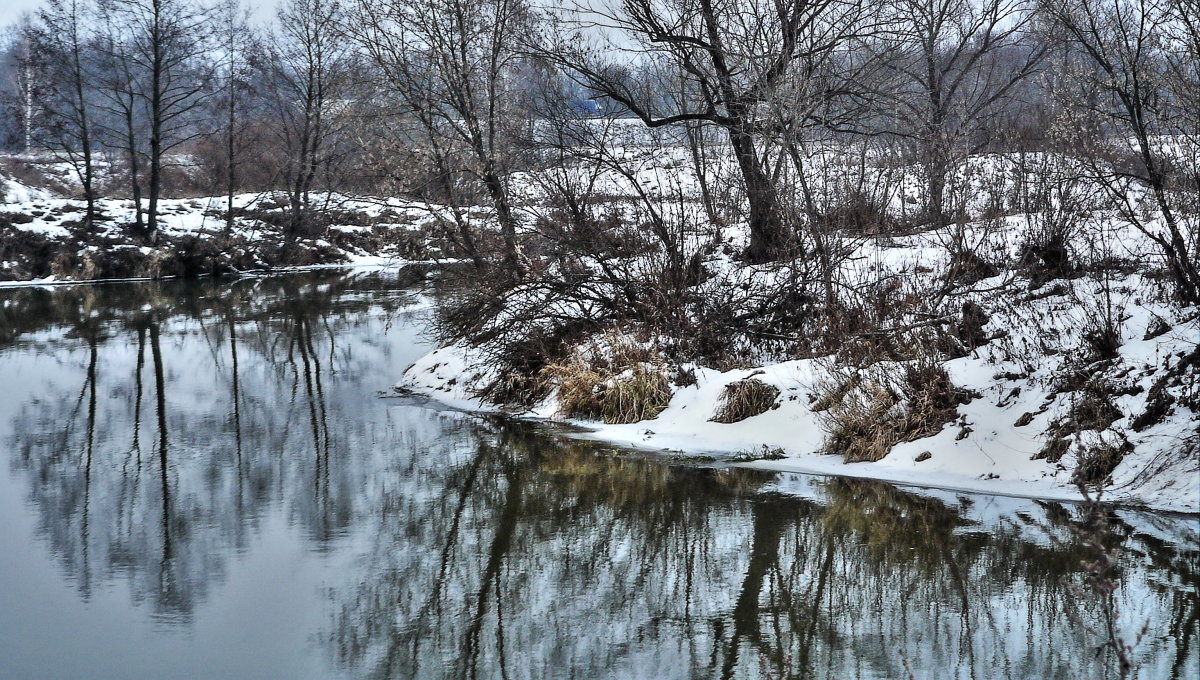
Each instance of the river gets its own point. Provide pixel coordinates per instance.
(212, 479)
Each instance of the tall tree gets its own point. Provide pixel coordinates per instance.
(66, 55)
(1138, 67)
(24, 76)
(122, 119)
(954, 63)
(166, 49)
(310, 78)
(734, 54)
(453, 65)
(235, 41)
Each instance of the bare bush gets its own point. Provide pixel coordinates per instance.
(744, 399)
(868, 411)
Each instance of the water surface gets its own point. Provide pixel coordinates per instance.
(210, 480)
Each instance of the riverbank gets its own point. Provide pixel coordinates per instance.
(1032, 409)
(997, 455)
(43, 239)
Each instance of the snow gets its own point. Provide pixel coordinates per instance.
(994, 459)
(1035, 335)
(12, 191)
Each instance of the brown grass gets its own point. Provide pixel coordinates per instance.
(745, 399)
(869, 411)
(622, 384)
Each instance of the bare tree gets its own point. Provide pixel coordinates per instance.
(954, 65)
(121, 122)
(23, 74)
(309, 77)
(1139, 70)
(61, 38)
(165, 51)
(734, 55)
(235, 40)
(452, 65)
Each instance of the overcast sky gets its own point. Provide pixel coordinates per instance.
(11, 10)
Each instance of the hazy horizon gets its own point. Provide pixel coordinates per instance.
(12, 10)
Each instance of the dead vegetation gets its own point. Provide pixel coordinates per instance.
(763, 452)
(1097, 462)
(613, 379)
(745, 399)
(1091, 409)
(868, 411)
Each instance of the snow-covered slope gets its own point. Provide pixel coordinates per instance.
(996, 454)
(1025, 380)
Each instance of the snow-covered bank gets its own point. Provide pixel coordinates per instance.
(996, 442)
(365, 264)
(44, 241)
(1032, 341)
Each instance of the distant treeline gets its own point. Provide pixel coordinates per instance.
(443, 100)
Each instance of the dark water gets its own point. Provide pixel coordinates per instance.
(201, 480)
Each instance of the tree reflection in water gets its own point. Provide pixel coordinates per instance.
(174, 418)
(540, 558)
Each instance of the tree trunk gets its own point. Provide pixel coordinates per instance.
(936, 169)
(768, 239)
(230, 168)
(696, 146)
(156, 121)
(85, 138)
(514, 260)
(135, 185)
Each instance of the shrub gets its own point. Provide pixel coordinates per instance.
(1094, 410)
(871, 410)
(641, 395)
(1046, 256)
(611, 379)
(860, 213)
(1103, 340)
(967, 268)
(578, 389)
(745, 399)
(1097, 462)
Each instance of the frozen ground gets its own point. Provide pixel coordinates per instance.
(40, 244)
(985, 449)
(1019, 377)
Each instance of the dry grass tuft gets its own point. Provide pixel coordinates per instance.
(621, 384)
(1097, 462)
(869, 411)
(1095, 410)
(745, 399)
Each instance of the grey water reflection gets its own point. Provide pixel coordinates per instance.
(210, 471)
